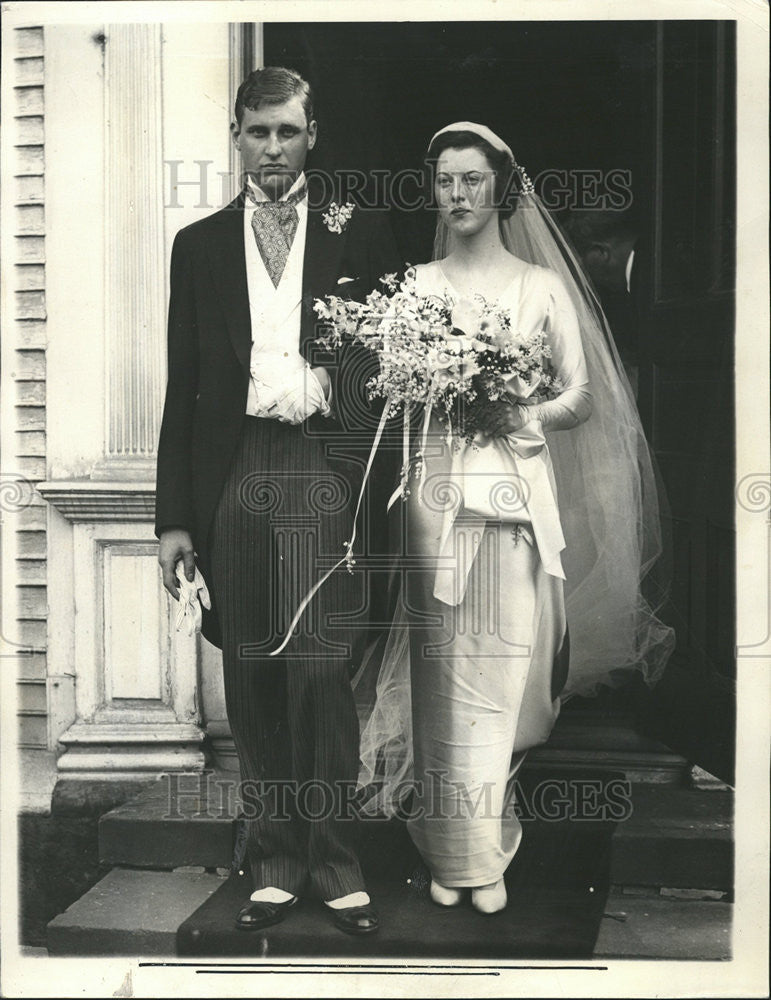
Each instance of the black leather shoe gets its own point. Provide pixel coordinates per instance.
(253, 916)
(356, 919)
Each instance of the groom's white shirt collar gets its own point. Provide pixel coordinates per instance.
(257, 194)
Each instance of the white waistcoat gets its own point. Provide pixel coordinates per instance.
(275, 314)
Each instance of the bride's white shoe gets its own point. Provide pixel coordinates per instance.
(489, 898)
(445, 895)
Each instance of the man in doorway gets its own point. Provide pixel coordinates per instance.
(607, 243)
(259, 466)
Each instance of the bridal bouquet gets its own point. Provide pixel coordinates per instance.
(454, 358)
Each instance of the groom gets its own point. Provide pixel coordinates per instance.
(259, 467)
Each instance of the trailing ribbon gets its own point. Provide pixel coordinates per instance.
(402, 489)
(421, 456)
(348, 557)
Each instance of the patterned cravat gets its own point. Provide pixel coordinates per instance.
(274, 224)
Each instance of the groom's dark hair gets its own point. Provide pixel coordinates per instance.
(273, 85)
(505, 175)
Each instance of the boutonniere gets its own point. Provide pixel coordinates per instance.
(337, 217)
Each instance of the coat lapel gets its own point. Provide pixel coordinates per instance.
(321, 267)
(228, 267)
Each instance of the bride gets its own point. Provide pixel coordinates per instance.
(523, 553)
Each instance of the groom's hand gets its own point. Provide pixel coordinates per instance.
(175, 544)
(302, 394)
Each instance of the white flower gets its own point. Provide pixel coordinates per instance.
(337, 217)
(491, 327)
(469, 368)
(439, 359)
(443, 378)
(466, 316)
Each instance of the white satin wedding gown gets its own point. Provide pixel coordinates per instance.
(482, 596)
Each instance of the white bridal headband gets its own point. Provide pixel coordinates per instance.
(482, 131)
(495, 141)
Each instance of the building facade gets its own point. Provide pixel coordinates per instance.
(115, 137)
(120, 138)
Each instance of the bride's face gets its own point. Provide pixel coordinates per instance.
(465, 190)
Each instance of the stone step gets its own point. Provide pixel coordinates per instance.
(666, 836)
(589, 738)
(675, 837)
(130, 913)
(144, 913)
(179, 820)
(656, 927)
(559, 880)
(546, 922)
(166, 914)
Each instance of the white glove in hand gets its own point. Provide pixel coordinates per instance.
(300, 397)
(191, 597)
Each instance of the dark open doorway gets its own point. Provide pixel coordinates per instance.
(565, 96)
(653, 102)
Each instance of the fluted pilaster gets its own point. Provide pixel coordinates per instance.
(134, 252)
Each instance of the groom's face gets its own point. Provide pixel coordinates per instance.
(274, 141)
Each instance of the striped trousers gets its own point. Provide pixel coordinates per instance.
(281, 520)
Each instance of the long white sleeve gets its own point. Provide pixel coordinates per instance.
(574, 404)
(568, 410)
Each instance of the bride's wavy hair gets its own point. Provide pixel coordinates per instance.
(506, 192)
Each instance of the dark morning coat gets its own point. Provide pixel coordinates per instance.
(209, 346)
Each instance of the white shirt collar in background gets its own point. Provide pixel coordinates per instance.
(629, 263)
